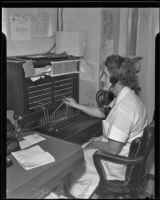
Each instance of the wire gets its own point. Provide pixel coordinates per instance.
(61, 19)
(54, 45)
(57, 108)
(45, 111)
(57, 19)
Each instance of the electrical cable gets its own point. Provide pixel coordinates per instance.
(61, 19)
(47, 52)
(57, 19)
(45, 112)
(57, 108)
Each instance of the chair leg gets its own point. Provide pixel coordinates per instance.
(133, 195)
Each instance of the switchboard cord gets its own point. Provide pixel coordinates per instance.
(57, 108)
(61, 105)
(46, 113)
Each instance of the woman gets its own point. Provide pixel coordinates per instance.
(125, 122)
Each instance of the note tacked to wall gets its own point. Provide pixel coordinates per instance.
(28, 68)
(71, 42)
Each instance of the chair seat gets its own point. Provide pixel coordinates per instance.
(113, 186)
(117, 187)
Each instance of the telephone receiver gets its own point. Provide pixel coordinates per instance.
(104, 97)
(12, 141)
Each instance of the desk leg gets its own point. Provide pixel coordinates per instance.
(59, 189)
(60, 192)
(56, 192)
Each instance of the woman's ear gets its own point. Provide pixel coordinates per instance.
(113, 80)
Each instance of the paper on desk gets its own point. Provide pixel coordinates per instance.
(30, 140)
(24, 144)
(34, 138)
(33, 157)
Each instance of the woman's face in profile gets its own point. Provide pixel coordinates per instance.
(107, 79)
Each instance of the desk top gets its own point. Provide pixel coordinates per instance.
(38, 182)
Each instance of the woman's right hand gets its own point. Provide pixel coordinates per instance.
(71, 102)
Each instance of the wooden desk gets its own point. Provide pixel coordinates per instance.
(38, 182)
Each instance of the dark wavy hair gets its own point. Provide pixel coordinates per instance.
(124, 70)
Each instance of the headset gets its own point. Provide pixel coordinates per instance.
(104, 97)
(114, 81)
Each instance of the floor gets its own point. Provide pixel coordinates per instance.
(148, 193)
(149, 190)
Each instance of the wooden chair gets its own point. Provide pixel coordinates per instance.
(135, 177)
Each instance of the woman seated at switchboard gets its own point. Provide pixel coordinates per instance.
(125, 122)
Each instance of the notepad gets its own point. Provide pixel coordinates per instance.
(33, 157)
(29, 140)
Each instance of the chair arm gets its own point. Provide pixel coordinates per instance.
(98, 155)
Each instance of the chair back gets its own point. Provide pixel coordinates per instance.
(140, 147)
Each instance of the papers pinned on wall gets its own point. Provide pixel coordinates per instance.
(71, 42)
(27, 25)
(89, 71)
(33, 157)
(106, 50)
(20, 27)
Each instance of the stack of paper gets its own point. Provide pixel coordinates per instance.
(33, 157)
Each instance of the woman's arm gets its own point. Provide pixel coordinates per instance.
(112, 146)
(93, 111)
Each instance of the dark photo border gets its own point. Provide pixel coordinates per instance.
(84, 4)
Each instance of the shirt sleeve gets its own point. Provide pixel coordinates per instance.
(120, 126)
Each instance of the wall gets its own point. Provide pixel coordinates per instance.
(148, 26)
(147, 29)
(87, 20)
(123, 31)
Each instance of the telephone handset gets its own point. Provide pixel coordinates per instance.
(104, 97)
(12, 141)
